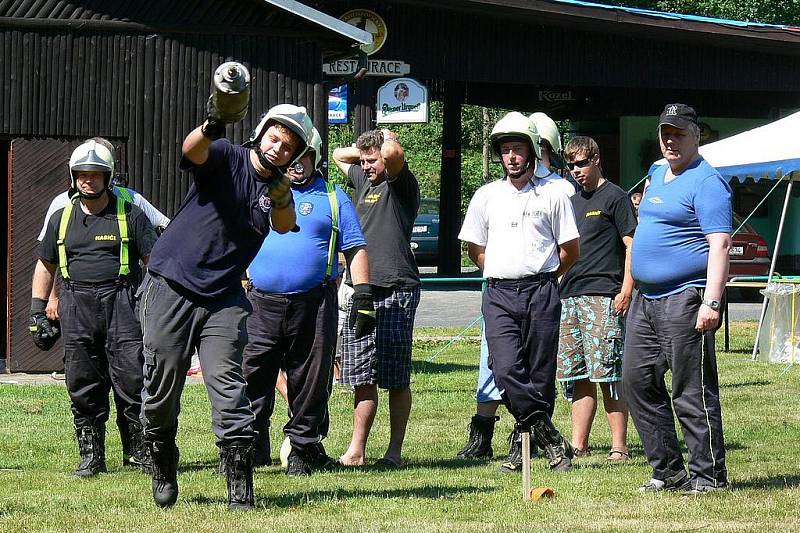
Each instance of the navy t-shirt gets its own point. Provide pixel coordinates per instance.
(220, 226)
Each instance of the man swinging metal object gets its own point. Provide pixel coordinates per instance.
(96, 242)
(192, 297)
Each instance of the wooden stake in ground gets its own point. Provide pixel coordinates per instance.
(526, 464)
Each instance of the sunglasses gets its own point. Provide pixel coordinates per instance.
(580, 164)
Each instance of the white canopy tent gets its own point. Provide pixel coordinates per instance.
(767, 152)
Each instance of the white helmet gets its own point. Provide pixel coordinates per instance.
(516, 125)
(92, 157)
(548, 131)
(293, 117)
(315, 144)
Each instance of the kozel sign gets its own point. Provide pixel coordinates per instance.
(370, 22)
(402, 101)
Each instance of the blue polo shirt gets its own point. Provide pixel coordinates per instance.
(296, 262)
(670, 251)
(220, 226)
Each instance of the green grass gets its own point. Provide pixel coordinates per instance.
(435, 492)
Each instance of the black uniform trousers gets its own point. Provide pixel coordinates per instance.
(296, 332)
(102, 351)
(521, 320)
(660, 336)
(175, 323)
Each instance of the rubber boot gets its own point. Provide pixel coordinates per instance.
(558, 450)
(479, 445)
(137, 453)
(92, 447)
(239, 475)
(165, 472)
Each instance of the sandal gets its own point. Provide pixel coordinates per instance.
(387, 464)
(582, 452)
(618, 456)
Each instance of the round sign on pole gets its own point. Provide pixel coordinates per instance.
(371, 22)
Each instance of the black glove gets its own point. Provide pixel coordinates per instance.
(214, 128)
(44, 332)
(363, 310)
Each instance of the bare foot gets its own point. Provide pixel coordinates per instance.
(351, 460)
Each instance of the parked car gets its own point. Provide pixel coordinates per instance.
(425, 234)
(749, 255)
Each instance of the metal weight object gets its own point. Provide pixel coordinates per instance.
(231, 94)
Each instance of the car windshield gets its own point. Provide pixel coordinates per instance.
(737, 221)
(429, 206)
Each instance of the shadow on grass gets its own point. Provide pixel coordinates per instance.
(738, 384)
(775, 482)
(435, 492)
(424, 367)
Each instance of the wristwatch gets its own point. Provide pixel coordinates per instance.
(713, 304)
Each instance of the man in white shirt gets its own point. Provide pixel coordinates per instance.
(522, 234)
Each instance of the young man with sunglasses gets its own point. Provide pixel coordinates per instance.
(521, 233)
(595, 295)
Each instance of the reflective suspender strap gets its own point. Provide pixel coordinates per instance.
(125, 194)
(334, 227)
(122, 220)
(62, 233)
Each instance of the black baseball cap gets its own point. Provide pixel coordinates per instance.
(678, 115)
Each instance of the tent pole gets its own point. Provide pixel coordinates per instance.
(774, 260)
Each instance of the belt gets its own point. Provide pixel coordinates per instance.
(521, 282)
(118, 282)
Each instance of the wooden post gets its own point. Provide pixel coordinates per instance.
(450, 189)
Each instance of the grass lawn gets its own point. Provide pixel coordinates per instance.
(435, 491)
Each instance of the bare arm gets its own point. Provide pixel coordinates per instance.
(393, 155)
(358, 264)
(43, 275)
(345, 157)
(195, 146)
(716, 276)
(623, 300)
(477, 254)
(52, 304)
(568, 253)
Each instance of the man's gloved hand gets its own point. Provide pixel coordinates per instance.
(214, 128)
(279, 189)
(363, 310)
(44, 332)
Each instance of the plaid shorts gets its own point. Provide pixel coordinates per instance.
(591, 340)
(383, 357)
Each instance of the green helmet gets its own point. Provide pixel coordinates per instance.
(315, 145)
(548, 131)
(514, 125)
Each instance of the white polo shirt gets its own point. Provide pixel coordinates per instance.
(521, 229)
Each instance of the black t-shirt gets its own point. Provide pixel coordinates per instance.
(604, 216)
(92, 242)
(220, 226)
(387, 212)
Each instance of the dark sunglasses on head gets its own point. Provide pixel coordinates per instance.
(580, 164)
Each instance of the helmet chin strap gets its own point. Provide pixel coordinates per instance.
(266, 163)
(92, 196)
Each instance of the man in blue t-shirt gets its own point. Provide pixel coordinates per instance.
(680, 263)
(295, 313)
(192, 298)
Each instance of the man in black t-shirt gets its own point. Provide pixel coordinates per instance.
(595, 295)
(192, 298)
(96, 242)
(386, 197)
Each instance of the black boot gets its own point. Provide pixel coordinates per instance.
(261, 449)
(479, 445)
(92, 447)
(165, 472)
(308, 459)
(136, 453)
(557, 449)
(239, 475)
(514, 461)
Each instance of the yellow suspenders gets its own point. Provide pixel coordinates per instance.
(122, 221)
(330, 188)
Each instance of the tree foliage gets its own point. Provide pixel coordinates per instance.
(766, 11)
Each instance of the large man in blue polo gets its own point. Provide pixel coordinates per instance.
(295, 312)
(680, 263)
